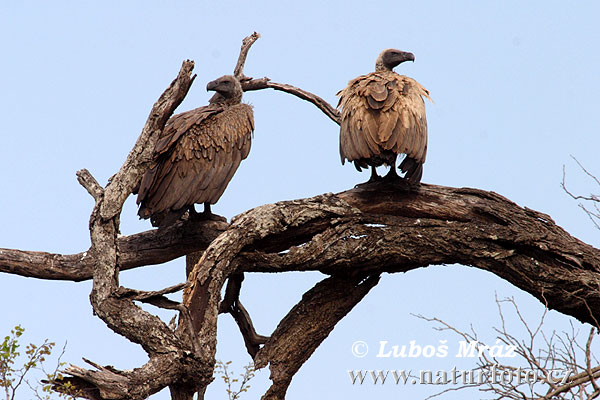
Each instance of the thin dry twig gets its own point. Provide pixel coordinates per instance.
(543, 360)
(595, 199)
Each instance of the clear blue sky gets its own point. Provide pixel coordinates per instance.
(515, 86)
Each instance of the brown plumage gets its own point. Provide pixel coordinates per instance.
(383, 115)
(197, 154)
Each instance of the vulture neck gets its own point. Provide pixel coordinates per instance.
(380, 66)
(218, 98)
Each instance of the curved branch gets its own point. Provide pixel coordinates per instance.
(434, 225)
(265, 83)
(249, 84)
(379, 228)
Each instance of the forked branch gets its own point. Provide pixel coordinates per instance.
(249, 84)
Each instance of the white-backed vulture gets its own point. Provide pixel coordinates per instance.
(196, 155)
(383, 115)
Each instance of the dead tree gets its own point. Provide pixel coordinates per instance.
(352, 237)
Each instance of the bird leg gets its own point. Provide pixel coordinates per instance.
(392, 176)
(206, 215)
(374, 176)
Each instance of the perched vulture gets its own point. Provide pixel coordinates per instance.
(196, 155)
(383, 115)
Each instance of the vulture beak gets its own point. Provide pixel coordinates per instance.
(406, 56)
(212, 85)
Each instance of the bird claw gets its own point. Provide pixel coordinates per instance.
(207, 216)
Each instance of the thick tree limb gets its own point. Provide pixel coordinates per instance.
(306, 326)
(434, 225)
(155, 246)
(388, 229)
(109, 383)
(174, 359)
(207, 277)
(378, 228)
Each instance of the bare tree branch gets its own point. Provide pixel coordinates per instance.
(90, 184)
(265, 83)
(166, 348)
(538, 356)
(249, 84)
(155, 246)
(593, 198)
(430, 226)
(231, 304)
(307, 324)
(248, 41)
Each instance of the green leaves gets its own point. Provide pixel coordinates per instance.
(15, 368)
(222, 368)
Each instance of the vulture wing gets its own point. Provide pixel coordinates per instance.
(197, 156)
(383, 111)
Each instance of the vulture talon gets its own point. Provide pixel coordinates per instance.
(205, 215)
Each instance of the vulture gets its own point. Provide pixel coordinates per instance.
(382, 116)
(196, 156)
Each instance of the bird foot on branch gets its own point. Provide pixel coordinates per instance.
(205, 216)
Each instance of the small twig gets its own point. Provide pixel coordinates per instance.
(144, 295)
(591, 215)
(93, 364)
(156, 298)
(588, 359)
(586, 171)
(574, 196)
(595, 199)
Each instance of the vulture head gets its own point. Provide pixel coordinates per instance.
(228, 90)
(390, 58)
